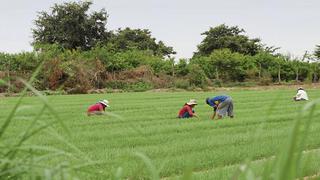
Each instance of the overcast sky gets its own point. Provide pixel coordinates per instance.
(292, 25)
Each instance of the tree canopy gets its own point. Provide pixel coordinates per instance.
(317, 51)
(225, 37)
(78, 52)
(70, 26)
(140, 39)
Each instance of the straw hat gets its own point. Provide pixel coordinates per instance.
(105, 102)
(192, 102)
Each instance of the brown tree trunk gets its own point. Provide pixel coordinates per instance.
(315, 77)
(279, 74)
(260, 69)
(173, 69)
(9, 79)
(217, 73)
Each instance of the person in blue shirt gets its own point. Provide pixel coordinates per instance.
(222, 105)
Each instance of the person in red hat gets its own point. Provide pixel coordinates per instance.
(98, 108)
(187, 110)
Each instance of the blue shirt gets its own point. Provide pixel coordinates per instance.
(216, 100)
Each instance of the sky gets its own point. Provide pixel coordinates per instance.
(292, 25)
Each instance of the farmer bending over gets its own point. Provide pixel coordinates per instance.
(98, 108)
(301, 95)
(187, 110)
(222, 105)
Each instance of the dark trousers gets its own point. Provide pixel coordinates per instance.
(186, 115)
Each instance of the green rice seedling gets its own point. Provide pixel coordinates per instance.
(20, 160)
(288, 164)
(177, 148)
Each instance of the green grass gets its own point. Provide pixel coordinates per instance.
(149, 130)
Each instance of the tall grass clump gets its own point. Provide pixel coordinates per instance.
(20, 159)
(290, 162)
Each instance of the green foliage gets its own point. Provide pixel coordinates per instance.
(203, 62)
(79, 54)
(139, 39)
(289, 162)
(140, 86)
(227, 66)
(77, 71)
(119, 61)
(25, 61)
(181, 83)
(22, 159)
(181, 68)
(116, 84)
(317, 52)
(70, 26)
(196, 76)
(301, 70)
(223, 36)
(314, 72)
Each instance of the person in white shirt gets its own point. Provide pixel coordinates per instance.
(301, 95)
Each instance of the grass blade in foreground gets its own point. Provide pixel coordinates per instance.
(24, 161)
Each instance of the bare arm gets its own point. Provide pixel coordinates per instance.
(213, 115)
(298, 95)
(95, 113)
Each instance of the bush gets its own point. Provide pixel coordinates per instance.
(162, 81)
(116, 84)
(240, 84)
(79, 78)
(217, 83)
(140, 86)
(57, 92)
(265, 81)
(182, 83)
(197, 77)
(52, 74)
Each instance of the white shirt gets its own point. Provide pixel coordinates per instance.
(302, 95)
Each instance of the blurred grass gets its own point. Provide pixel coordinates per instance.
(210, 149)
(20, 160)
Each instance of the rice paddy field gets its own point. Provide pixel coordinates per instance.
(141, 136)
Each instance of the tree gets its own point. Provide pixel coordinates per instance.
(227, 65)
(182, 68)
(264, 61)
(197, 77)
(222, 37)
(70, 26)
(140, 39)
(277, 69)
(317, 51)
(314, 71)
(298, 66)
